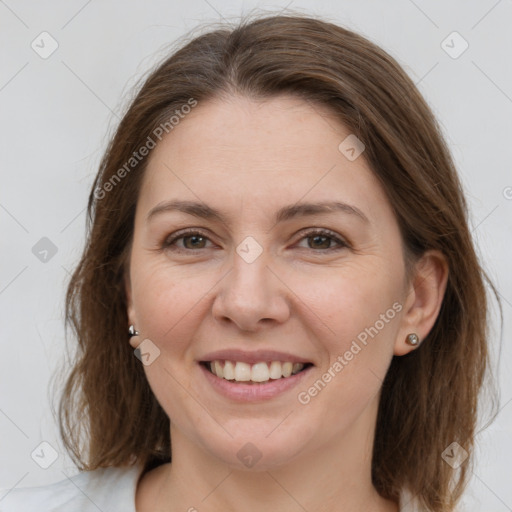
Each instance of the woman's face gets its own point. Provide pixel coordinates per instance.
(265, 283)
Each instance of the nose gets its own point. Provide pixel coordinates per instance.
(251, 296)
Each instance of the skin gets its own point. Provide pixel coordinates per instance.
(249, 158)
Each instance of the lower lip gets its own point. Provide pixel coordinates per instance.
(243, 392)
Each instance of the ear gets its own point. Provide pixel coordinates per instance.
(130, 309)
(423, 300)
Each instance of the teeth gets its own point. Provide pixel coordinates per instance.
(218, 369)
(297, 367)
(275, 370)
(287, 369)
(259, 372)
(229, 370)
(242, 372)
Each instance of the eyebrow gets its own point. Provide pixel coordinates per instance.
(203, 211)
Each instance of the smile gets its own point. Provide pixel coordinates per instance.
(263, 371)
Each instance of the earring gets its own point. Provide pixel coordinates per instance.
(412, 339)
(132, 332)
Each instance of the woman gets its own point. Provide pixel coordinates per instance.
(278, 233)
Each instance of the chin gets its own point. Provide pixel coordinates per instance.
(258, 450)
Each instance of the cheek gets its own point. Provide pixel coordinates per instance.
(162, 298)
(172, 302)
(353, 303)
(361, 308)
(167, 300)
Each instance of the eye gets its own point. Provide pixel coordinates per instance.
(191, 240)
(321, 240)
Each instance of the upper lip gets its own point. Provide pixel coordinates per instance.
(252, 357)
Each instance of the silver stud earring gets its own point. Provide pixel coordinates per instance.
(132, 332)
(412, 339)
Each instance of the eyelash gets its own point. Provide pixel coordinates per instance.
(169, 243)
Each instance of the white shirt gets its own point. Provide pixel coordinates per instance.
(106, 490)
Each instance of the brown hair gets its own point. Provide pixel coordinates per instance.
(108, 414)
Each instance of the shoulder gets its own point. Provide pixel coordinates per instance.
(408, 502)
(111, 489)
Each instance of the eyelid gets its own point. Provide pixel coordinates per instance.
(173, 237)
(342, 241)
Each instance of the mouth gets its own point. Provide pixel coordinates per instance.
(261, 372)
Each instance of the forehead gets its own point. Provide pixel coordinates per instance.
(262, 153)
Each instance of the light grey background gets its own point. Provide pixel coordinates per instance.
(57, 113)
